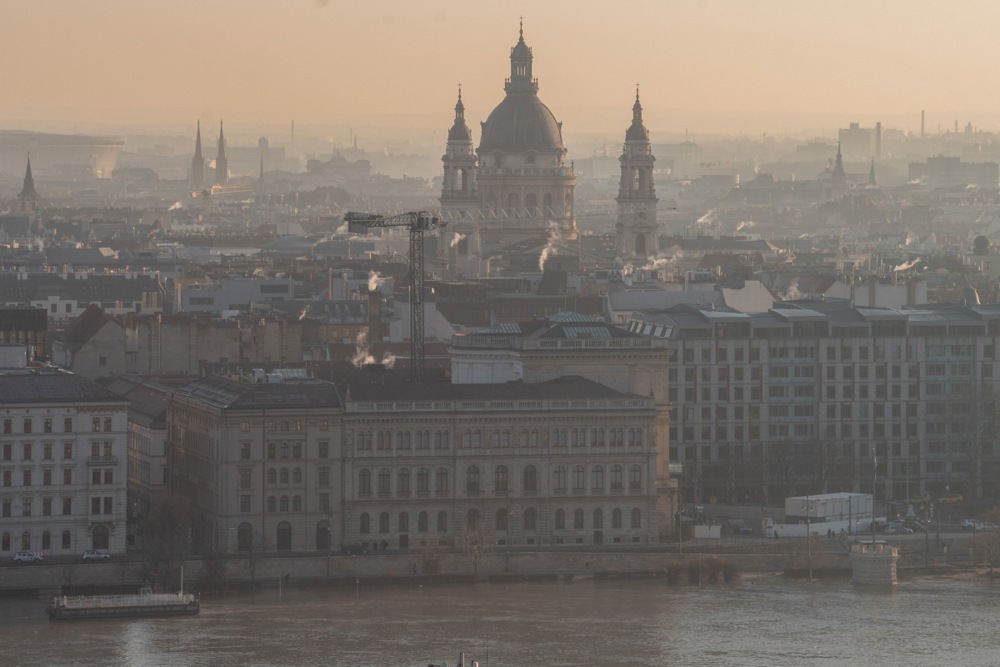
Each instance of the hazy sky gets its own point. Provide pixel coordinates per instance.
(747, 65)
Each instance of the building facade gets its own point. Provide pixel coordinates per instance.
(818, 397)
(563, 462)
(63, 475)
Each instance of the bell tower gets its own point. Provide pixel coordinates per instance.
(27, 198)
(459, 190)
(636, 227)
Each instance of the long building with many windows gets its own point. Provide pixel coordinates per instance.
(820, 396)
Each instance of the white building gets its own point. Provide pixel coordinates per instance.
(62, 464)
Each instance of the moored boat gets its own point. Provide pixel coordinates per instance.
(146, 603)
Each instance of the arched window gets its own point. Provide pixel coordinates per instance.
(403, 480)
(559, 478)
(579, 478)
(597, 477)
(500, 519)
(297, 476)
(283, 504)
(635, 477)
(616, 477)
(244, 537)
(460, 179)
(296, 503)
(530, 479)
(578, 518)
(530, 519)
(323, 536)
(383, 522)
(384, 480)
(284, 541)
(272, 504)
(284, 475)
(636, 517)
(272, 476)
(404, 522)
(423, 480)
(547, 203)
(598, 519)
(364, 524)
(472, 479)
(500, 480)
(473, 519)
(66, 540)
(441, 480)
(442, 522)
(531, 203)
(422, 522)
(46, 540)
(616, 519)
(560, 519)
(365, 481)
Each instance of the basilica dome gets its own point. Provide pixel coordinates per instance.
(521, 123)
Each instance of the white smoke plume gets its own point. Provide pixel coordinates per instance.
(456, 239)
(362, 355)
(793, 292)
(745, 224)
(176, 205)
(374, 280)
(342, 230)
(905, 266)
(388, 360)
(660, 262)
(707, 218)
(550, 247)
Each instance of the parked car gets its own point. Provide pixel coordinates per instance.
(954, 499)
(972, 524)
(740, 527)
(897, 528)
(354, 550)
(93, 554)
(28, 556)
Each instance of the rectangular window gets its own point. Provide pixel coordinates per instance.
(108, 503)
(5, 508)
(26, 478)
(8, 452)
(244, 450)
(95, 424)
(67, 424)
(67, 476)
(324, 502)
(95, 476)
(27, 424)
(26, 452)
(107, 424)
(324, 477)
(47, 425)
(8, 426)
(7, 475)
(245, 504)
(46, 507)
(324, 449)
(67, 450)
(47, 477)
(95, 505)
(245, 477)
(67, 506)
(26, 506)
(47, 451)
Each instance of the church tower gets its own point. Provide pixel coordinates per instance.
(636, 227)
(27, 198)
(838, 179)
(221, 163)
(459, 193)
(198, 163)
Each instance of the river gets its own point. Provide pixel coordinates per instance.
(768, 621)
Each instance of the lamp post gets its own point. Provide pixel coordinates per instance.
(809, 561)
(511, 513)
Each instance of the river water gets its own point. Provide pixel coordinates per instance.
(767, 621)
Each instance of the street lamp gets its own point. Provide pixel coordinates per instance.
(511, 513)
(809, 561)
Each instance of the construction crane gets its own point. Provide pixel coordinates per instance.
(417, 222)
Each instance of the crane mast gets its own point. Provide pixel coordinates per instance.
(416, 222)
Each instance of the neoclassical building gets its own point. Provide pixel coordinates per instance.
(517, 185)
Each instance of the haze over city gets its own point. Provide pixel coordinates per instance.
(392, 67)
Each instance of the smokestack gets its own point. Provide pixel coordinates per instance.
(878, 140)
(922, 135)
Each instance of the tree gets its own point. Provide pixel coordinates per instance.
(165, 540)
(477, 544)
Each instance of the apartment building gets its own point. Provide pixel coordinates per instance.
(820, 396)
(62, 464)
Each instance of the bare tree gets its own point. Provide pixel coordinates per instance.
(477, 543)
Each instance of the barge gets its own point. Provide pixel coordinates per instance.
(146, 603)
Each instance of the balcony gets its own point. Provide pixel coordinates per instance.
(102, 460)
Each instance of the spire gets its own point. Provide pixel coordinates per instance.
(197, 144)
(838, 166)
(459, 130)
(520, 79)
(871, 175)
(637, 131)
(28, 191)
(221, 162)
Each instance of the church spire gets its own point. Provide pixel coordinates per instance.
(198, 162)
(459, 130)
(871, 175)
(637, 131)
(28, 191)
(221, 162)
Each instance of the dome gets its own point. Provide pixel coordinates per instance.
(459, 130)
(637, 131)
(521, 123)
